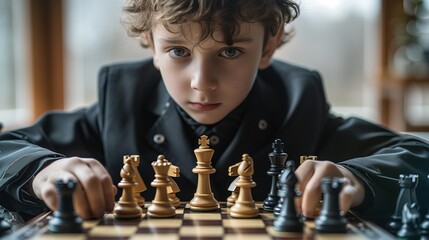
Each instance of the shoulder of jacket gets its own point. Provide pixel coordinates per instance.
(291, 69)
(129, 74)
(288, 73)
(128, 81)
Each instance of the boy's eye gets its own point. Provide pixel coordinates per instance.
(231, 52)
(178, 52)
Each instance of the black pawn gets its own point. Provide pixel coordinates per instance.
(5, 226)
(64, 218)
(277, 158)
(331, 220)
(407, 194)
(288, 220)
(410, 218)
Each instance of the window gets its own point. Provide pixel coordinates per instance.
(93, 37)
(340, 39)
(15, 109)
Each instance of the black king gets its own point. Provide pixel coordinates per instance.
(277, 158)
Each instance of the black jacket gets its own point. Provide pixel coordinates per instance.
(134, 107)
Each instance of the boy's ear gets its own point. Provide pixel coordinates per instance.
(155, 59)
(270, 48)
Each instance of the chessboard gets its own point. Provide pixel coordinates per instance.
(187, 224)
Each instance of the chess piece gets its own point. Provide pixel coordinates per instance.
(277, 158)
(141, 186)
(424, 225)
(203, 198)
(64, 218)
(230, 201)
(331, 220)
(127, 206)
(281, 188)
(233, 172)
(302, 159)
(410, 218)
(5, 226)
(407, 194)
(245, 207)
(161, 206)
(288, 220)
(173, 171)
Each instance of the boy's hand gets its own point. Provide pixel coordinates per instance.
(94, 194)
(310, 174)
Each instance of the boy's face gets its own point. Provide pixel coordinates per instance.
(210, 79)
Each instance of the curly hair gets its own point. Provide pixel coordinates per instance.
(140, 16)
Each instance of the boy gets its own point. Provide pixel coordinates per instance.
(211, 74)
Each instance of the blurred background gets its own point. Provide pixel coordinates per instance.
(373, 56)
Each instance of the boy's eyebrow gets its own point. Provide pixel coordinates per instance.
(181, 42)
(171, 41)
(242, 39)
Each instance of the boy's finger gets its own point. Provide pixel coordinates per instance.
(304, 172)
(81, 204)
(49, 191)
(346, 197)
(109, 196)
(310, 197)
(49, 195)
(91, 189)
(106, 183)
(312, 192)
(298, 205)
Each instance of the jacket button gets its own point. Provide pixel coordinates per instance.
(262, 124)
(214, 140)
(159, 138)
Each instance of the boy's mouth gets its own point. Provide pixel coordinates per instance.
(203, 106)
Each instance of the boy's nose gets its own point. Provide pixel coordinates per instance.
(204, 77)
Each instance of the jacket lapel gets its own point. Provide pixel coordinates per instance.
(171, 127)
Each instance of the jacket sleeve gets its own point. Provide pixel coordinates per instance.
(54, 136)
(377, 156)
